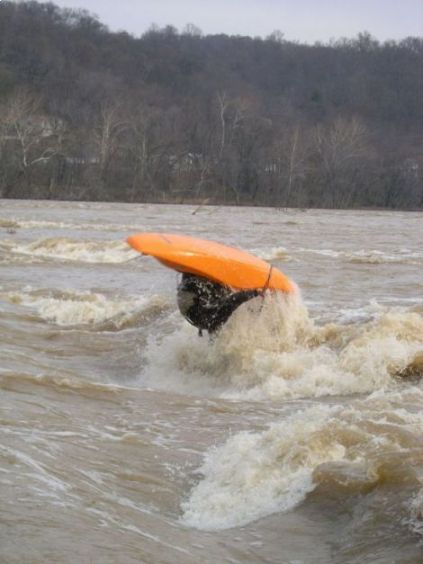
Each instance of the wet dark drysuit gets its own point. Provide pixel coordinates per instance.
(206, 304)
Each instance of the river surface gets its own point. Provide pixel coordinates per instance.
(295, 436)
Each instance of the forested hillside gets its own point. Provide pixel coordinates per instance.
(177, 117)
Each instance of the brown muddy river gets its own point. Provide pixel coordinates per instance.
(296, 436)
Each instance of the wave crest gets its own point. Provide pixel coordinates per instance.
(255, 474)
(273, 350)
(70, 309)
(62, 248)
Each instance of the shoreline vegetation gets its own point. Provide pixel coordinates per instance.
(177, 117)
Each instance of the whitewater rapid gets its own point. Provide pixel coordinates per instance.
(295, 434)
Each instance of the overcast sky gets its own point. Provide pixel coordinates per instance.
(305, 20)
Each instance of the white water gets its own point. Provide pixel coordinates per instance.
(294, 435)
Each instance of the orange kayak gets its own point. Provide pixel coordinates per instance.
(226, 265)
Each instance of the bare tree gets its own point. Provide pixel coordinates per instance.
(192, 30)
(291, 164)
(223, 107)
(236, 119)
(35, 137)
(340, 149)
(107, 134)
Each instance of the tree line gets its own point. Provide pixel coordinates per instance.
(87, 114)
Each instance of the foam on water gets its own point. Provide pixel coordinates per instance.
(370, 256)
(62, 248)
(75, 402)
(256, 474)
(416, 513)
(273, 350)
(361, 256)
(274, 253)
(86, 308)
(15, 223)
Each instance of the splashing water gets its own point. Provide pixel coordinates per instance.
(62, 248)
(69, 309)
(256, 474)
(299, 424)
(271, 349)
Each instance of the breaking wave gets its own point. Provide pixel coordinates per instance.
(62, 248)
(46, 224)
(271, 349)
(364, 256)
(352, 449)
(69, 309)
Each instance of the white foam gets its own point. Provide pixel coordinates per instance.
(416, 513)
(274, 253)
(76, 250)
(323, 252)
(273, 350)
(255, 474)
(45, 224)
(85, 308)
(369, 256)
(400, 256)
